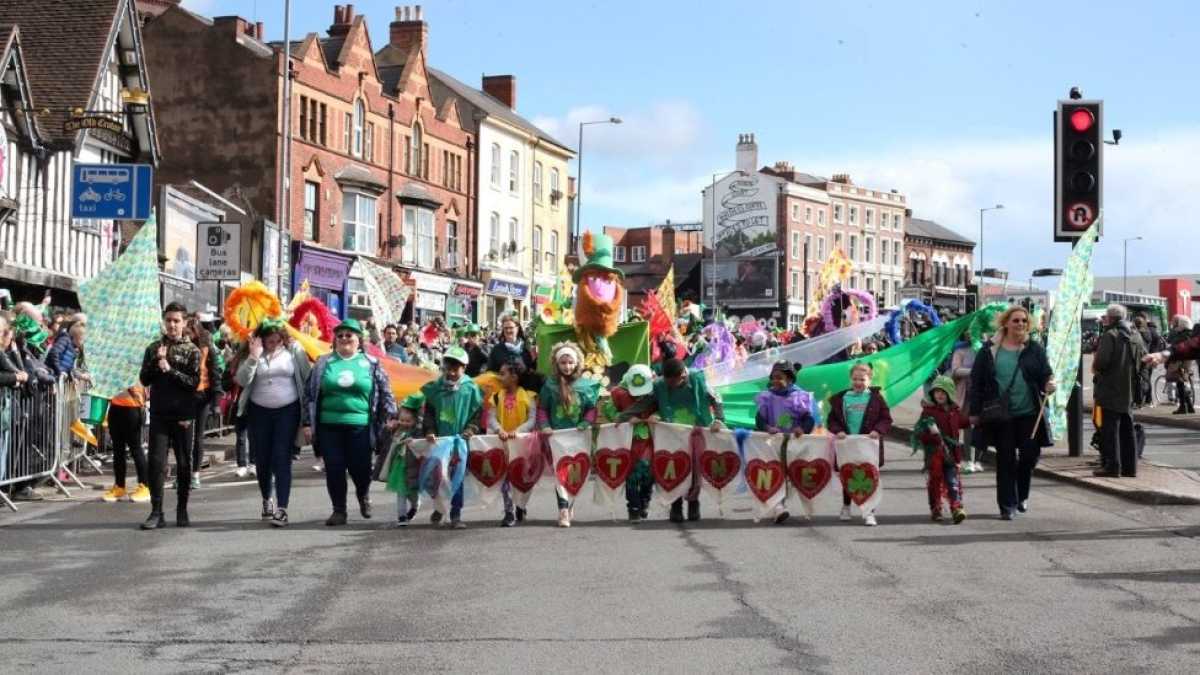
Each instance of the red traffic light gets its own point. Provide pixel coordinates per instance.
(1082, 119)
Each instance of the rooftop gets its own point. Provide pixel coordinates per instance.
(919, 227)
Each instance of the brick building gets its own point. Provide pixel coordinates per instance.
(376, 169)
(938, 264)
(646, 254)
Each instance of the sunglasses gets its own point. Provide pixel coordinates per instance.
(346, 336)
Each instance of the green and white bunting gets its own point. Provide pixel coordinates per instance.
(1063, 338)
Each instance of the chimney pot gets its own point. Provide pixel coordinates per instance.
(349, 13)
(418, 13)
(503, 88)
(259, 32)
(408, 30)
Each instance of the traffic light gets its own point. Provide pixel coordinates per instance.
(972, 297)
(1078, 167)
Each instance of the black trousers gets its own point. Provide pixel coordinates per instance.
(197, 433)
(173, 435)
(125, 432)
(1016, 456)
(1118, 449)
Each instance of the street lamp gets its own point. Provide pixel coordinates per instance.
(981, 211)
(1125, 264)
(713, 241)
(579, 175)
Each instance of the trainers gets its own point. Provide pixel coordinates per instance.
(845, 514)
(241, 472)
(195, 481)
(364, 506)
(411, 514)
(268, 509)
(676, 511)
(509, 519)
(520, 515)
(1023, 506)
(28, 494)
(435, 517)
(693, 511)
(959, 515)
(318, 468)
(869, 520)
(936, 515)
(335, 519)
(1006, 514)
(782, 518)
(979, 467)
(280, 518)
(458, 525)
(635, 516)
(115, 494)
(564, 518)
(968, 467)
(253, 471)
(141, 495)
(155, 521)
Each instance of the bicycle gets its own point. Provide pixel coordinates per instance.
(1164, 391)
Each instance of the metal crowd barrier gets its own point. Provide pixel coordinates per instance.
(34, 439)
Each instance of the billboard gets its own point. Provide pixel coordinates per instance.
(745, 215)
(746, 281)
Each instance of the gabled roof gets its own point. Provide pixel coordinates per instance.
(919, 227)
(23, 105)
(444, 85)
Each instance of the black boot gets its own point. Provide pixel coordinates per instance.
(181, 514)
(693, 509)
(364, 506)
(677, 511)
(156, 519)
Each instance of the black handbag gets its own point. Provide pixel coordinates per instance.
(996, 410)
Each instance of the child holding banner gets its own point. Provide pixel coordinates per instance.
(784, 408)
(567, 401)
(937, 434)
(637, 385)
(511, 411)
(404, 468)
(857, 410)
(453, 407)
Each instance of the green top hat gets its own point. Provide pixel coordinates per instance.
(351, 325)
(599, 251)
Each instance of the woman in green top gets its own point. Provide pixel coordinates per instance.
(567, 401)
(350, 401)
(1014, 369)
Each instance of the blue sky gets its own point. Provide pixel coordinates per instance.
(949, 102)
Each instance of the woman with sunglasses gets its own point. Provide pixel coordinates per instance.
(350, 401)
(1012, 370)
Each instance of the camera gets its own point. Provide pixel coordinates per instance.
(217, 236)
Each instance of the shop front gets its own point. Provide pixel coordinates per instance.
(462, 305)
(433, 291)
(505, 295)
(327, 273)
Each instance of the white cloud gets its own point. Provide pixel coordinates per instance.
(659, 133)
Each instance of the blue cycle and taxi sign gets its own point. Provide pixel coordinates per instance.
(112, 191)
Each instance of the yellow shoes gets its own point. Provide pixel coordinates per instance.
(141, 495)
(115, 494)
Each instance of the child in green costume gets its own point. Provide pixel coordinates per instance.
(405, 467)
(567, 401)
(453, 407)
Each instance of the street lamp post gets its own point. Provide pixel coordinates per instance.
(1125, 263)
(981, 211)
(713, 241)
(579, 176)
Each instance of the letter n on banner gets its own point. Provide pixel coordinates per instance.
(719, 466)
(672, 461)
(571, 451)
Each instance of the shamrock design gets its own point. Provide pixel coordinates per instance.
(860, 482)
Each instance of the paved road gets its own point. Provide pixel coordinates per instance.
(1084, 583)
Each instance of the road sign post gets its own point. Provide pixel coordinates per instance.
(112, 191)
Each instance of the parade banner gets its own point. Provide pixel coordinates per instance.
(124, 314)
(765, 473)
(671, 463)
(570, 450)
(720, 466)
(443, 469)
(613, 461)
(858, 469)
(526, 464)
(1063, 341)
(810, 469)
(899, 371)
(487, 464)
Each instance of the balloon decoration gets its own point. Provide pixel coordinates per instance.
(248, 305)
(893, 324)
(847, 296)
(314, 318)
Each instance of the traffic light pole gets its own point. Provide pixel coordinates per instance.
(1075, 403)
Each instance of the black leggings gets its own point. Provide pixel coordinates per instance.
(164, 435)
(125, 431)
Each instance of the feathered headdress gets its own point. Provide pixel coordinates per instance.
(249, 304)
(315, 311)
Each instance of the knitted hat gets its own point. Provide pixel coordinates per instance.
(945, 384)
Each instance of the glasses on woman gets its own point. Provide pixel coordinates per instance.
(345, 336)
(1014, 320)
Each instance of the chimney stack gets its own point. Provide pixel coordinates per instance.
(233, 25)
(259, 32)
(503, 88)
(409, 29)
(343, 16)
(747, 154)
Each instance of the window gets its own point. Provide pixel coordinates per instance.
(870, 285)
(447, 178)
(514, 236)
(869, 218)
(369, 143)
(795, 212)
(358, 223)
(347, 127)
(537, 182)
(409, 227)
(795, 284)
(868, 248)
(359, 113)
(552, 253)
(883, 219)
(896, 253)
(451, 244)
(494, 235)
(853, 215)
(795, 245)
(854, 247)
(837, 241)
(514, 173)
(321, 124)
(820, 249)
(426, 239)
(639, 254)
(883, 291)
(555, 194)
(808, 215)
(618, 254)
(537, 248)
(304, 119)
(425, 161)
(808, 249)
(311, 217)
(496, 165)
(883, 249)
(821, 217)
(837, 213)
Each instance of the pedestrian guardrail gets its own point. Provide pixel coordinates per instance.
(34, 438)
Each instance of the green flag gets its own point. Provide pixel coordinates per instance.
(124, 313)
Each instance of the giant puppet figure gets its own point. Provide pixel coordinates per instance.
(599, 292)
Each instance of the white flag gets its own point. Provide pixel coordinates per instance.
(672, 461)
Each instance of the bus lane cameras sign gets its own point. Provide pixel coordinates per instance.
(218, 251)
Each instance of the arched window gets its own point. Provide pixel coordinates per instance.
(360, 112)
(496, 165)
(514, 171)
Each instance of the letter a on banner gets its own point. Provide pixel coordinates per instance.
(858, 467)
(612, 463)
(526, 463)
(672, 461)
(487, 465)
(720, 465)
(765, 474)
(810, 469)
(569, 448)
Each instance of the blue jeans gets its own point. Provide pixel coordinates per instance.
(345, 449)
(271, 432)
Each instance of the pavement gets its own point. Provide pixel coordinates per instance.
(1085, 582)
